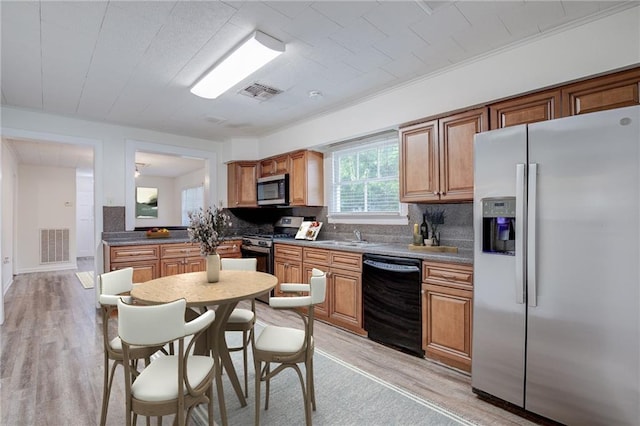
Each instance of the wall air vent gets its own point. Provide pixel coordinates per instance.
(260, 91)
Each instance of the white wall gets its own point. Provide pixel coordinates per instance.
(596, 47)
(113, 139)
(9, 174)
(168, 203)
(46, 200)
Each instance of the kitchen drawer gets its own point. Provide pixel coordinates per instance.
(134, 253)
(230, 248)
(179, 250)
(318, 256)
(345, 260)
(291, 253)
(448, 274)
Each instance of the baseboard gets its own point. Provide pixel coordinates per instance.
(48, 268)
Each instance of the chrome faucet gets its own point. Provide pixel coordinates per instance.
(358, 235)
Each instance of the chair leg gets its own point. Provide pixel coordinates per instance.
(311, 384)
(304, 384)
(108, 382)
(210, 405)
(105, 397)
(245, 343)
(258, 377)
(268, 385)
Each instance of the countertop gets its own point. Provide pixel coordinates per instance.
(389, 249)
(401, 250)
(141, 239)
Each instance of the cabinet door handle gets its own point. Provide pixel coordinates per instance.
(435, 192)
(448, 277)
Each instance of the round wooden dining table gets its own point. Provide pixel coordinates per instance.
(224, 295)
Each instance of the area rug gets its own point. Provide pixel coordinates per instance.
(345, 396)
(85, 278)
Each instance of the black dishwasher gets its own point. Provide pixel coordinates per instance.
(391, 298)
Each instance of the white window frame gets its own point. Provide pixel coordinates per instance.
(183, 206)
(366, 218)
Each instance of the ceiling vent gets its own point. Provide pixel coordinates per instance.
(260, 91)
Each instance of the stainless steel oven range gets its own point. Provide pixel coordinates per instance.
(260, 246)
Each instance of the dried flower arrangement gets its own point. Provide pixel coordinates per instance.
(208, 228)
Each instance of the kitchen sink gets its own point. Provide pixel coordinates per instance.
(347, 243)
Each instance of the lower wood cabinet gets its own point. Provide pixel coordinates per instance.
(144, 259)
(150, 261)
(180, 258)
(287, 265)
(343, 301)
(230, 248)
(447, 313)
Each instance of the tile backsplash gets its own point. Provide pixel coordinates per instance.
(457, 229)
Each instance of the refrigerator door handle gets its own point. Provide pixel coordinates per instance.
(532, 297)
(520, 197)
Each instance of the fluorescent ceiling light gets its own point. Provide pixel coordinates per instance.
(248, 57)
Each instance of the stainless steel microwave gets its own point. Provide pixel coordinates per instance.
(273, 190)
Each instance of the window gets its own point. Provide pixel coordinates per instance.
(364, 187)
(192, 199)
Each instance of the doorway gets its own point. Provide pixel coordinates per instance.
(67, 148)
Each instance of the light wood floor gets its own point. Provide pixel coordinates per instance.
(51, 363)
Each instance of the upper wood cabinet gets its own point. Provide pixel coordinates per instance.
(419, 165)
(306, 186)
(241, 184)
(456, 153)
(601, 93)
(436, 158)
(274, 166)
(525, 109)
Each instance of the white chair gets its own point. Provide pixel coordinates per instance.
(290, 346)
(171, 383)
(113, 286)
(242, 319)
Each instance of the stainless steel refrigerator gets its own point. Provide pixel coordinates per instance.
(556, 310)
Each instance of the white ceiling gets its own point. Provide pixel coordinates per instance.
(132, 63)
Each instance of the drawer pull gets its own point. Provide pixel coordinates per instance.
(449, 277)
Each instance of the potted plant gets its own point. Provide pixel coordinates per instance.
(208, 228)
